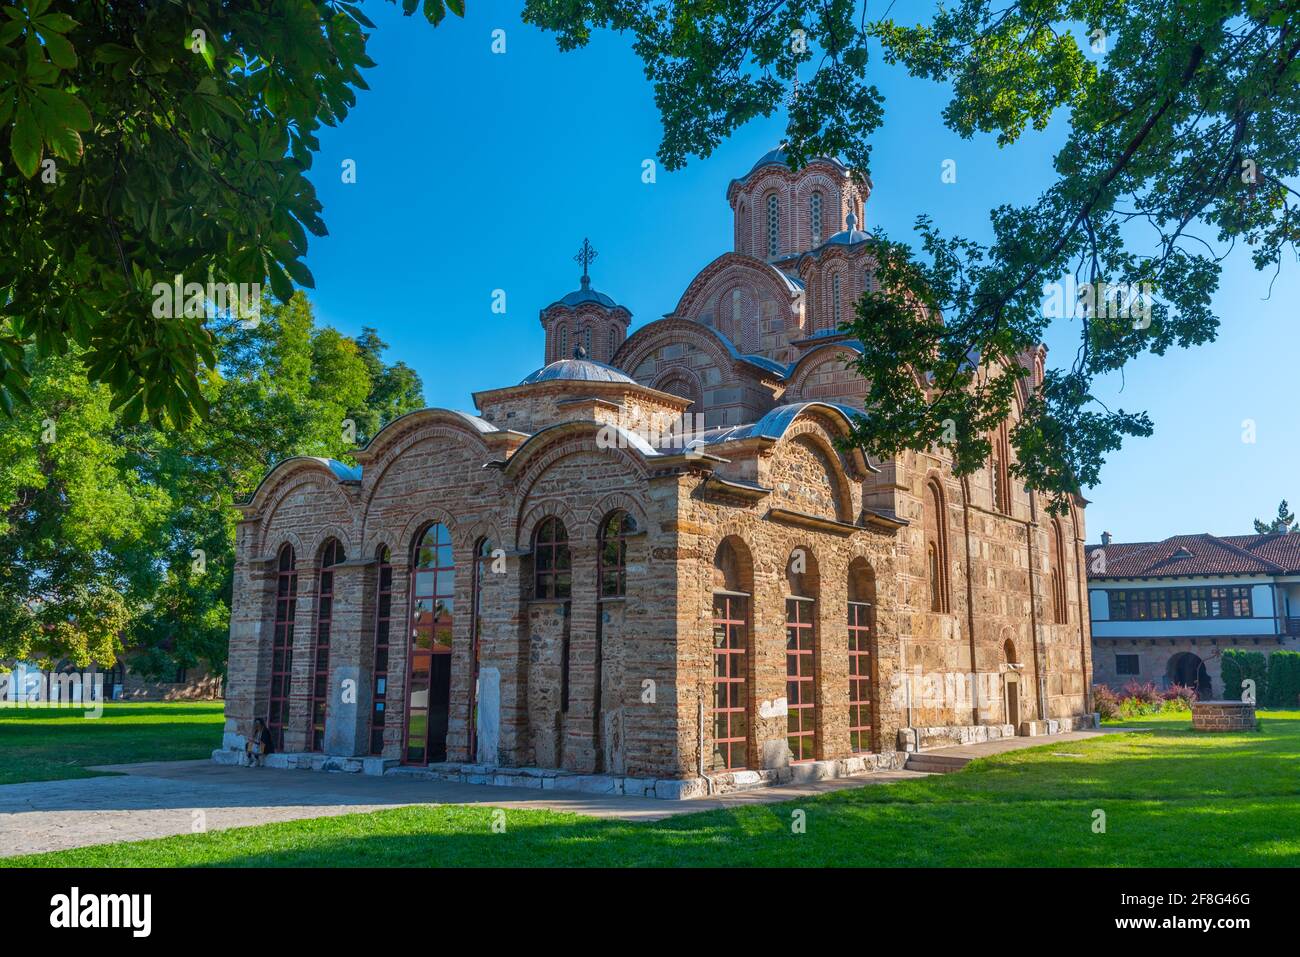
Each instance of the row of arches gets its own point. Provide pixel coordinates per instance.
(423, 647)
(732, 707)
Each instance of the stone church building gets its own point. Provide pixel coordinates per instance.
(649, 567)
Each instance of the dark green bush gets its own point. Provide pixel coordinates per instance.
(1239, 665)
(1283, 679)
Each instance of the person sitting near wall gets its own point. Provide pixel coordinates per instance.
(259, 745)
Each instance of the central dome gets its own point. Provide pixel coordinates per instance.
(578, 369)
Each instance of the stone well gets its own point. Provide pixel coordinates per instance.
(1223, 716)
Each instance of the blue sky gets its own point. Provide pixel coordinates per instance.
(479, 171)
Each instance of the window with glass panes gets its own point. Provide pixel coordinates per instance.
(428, 669)
(286, 604)
(800, 682)
(613, 554)
(482, 567)
(552, 569)
(320, 680)
(859, 676)
(730, 687)
(383, 627)
(1171, 604)
(773, 225)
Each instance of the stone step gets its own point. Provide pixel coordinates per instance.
(934, 763)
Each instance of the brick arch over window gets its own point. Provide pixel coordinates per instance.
(935, 525)
(683, 383)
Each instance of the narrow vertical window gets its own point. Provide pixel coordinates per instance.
(730, 709)
(383, 627)
(332, 555)
(773, 226)
(428, 667)
(586, 340)
(612, 572)
(861, 634)
(800, 680)
(815, 216)
(613, 344)
(482, 565)
(936, 534)
(1058, 579)
(730, 644)
(552, 568)
(835, 301)
(286, 604)
(564, 343)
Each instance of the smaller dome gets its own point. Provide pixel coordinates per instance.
(578, 369)
(584, 295)
(850, 235)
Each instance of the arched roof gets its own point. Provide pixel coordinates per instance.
(669, 324)
(338, 471)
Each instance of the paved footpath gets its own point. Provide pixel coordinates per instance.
(160, 799)
(164, 798)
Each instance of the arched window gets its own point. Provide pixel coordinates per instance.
(1000, 470)
(773, 226)
(801, 655)
(835, 302)
(428, 667)
(729, 713)
(383, 629)
(482, 568)
(320, 690)
(614, 531)
(286, 605)
(861, 626)
(564, 343)
(552, 568)
(1060, 605)
(936, 547)
(815, 216)
(736, 304)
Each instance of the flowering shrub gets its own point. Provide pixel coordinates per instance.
(1142, 698)
(1145, 692)
(1105, 701)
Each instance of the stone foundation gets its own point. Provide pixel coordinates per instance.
(551, 779)
(1223, 716)
(951, 736)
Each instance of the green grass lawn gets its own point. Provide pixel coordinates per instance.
(1171, 798)
(49, 744)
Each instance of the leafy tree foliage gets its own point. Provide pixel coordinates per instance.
(142, 141)
(1182, 117)
(122, 535)
(1283, 523)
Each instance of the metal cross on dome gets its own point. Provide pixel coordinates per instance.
(585, 256)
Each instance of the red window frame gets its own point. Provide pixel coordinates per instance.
(286, 608)
(859, 625)
(729, 714)
(801, 678)
(320, 677)
(383, 633)
(552, 563)
(432, 615)
(612, 554)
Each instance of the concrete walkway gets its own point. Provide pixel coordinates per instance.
(160, 799)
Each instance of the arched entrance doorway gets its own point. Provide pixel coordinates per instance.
(1011, 686)
(1186, 668)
